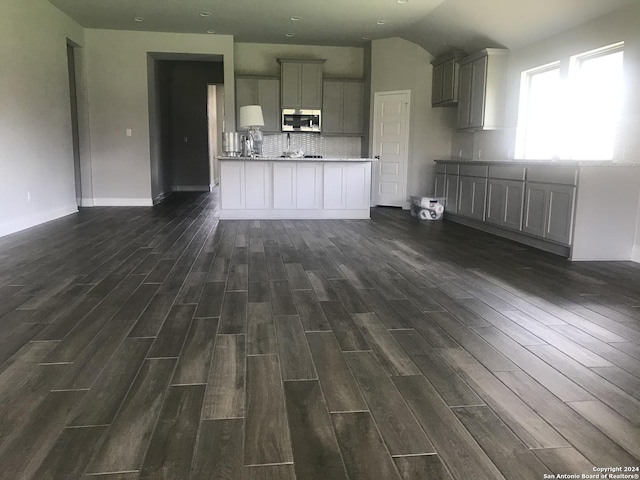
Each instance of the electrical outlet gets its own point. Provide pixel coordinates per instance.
(128, 131)
(28, 196)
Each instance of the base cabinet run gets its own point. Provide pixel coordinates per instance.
(528, 201)
(298, 190)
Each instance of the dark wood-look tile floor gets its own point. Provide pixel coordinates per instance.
(149, 343)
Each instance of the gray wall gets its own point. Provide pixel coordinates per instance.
(397, 64)
(119, 93)
(36, 152)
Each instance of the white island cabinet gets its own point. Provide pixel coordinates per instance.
(283, 188)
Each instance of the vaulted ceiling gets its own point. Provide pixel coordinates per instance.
(436, 25)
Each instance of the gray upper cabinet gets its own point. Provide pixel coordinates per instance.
(445, 77)
(482, 87)
(263, 91)
(343, 107)
(301, 83)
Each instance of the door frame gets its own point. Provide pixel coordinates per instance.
(374, 138)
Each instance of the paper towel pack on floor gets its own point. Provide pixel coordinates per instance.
(427, 208)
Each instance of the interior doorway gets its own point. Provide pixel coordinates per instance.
(75, 135)
(215, 116)
(391, 146)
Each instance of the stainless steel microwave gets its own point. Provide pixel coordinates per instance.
(301, 120)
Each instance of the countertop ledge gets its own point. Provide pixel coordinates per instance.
(542, 163)
(300, 159)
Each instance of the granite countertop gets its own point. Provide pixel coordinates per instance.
(301, 159)
(543, 163)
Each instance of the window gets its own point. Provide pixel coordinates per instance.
(574, 117)
(596, 84)
(540, 113)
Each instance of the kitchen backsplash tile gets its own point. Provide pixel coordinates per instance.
(313, 144)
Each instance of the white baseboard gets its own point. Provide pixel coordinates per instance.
(88, 202)
(123, 202)
(190, 188)
(29, 221)
(635, 254)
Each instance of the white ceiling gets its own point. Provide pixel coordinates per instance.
(436, 25)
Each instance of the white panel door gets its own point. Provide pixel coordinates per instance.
(284, 185)
(257, 185)
(390, 143)
(232, 188)
(308, 185)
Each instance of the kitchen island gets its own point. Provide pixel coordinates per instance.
(270, 188)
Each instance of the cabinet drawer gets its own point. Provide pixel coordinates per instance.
(453, 168)
(553, 174)
(441, 168)
(507, 172)
(474, 170)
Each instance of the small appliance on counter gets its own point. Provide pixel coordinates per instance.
(231, 144)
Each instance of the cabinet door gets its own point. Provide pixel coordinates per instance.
(495, 201)
(269, 100)
(291, 82)
(440, 187)
(535, 209)
(246, 94)
(452, 193)
(466, 195)
(448, 81)
(436, 85)
(358, 185)
(473, 193)
(232, 184)
(334, 186)
(353, 108)
(464, 95)
(478, 92)
(257, 185)
(479, 198)
(308, 185)
(284, 185)
(559, 219)
(332, 107)
(513, 199)
(311, 87)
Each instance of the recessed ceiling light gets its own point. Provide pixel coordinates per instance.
(381, 22)
(211, 31)
(205, 14)
(295, 19)
(289, 34)
(138, 19)
(403, 1)
(366, 38)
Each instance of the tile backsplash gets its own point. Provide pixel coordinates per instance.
(313, 144)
